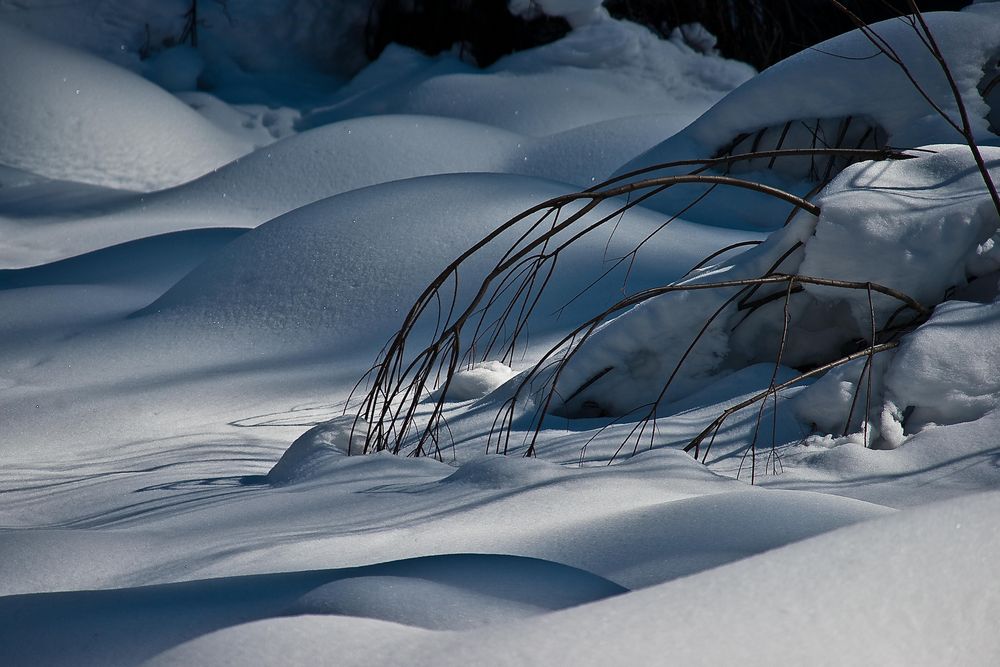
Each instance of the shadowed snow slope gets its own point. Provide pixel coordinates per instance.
(658, 517)
(437, 592)
(155, 370)
(154, 262)
(320, 289)
(71, 116)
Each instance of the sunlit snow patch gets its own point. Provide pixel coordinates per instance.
(476, 382)
(838, 94)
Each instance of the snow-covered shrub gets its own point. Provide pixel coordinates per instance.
(853, 274)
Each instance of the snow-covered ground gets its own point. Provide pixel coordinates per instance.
(192, 282)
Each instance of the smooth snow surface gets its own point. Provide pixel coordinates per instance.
(820, 591)
(192, 283)
(73, 117)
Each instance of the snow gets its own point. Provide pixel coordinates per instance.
(824, 592)
(330, 259)
(603, 70)
(199, 265)
(478, 381)
(856, 83)
(647, 343)
(71, 116)
(959, 387)
(945, 231)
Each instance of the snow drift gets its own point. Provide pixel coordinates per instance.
(70, 116)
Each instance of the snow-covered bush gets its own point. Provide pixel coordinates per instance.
(854, 273)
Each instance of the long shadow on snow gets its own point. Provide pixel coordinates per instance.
(127, 626)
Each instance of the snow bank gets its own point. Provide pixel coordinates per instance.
(627, 360)
(576, 12)
(455, 591)
(504, 472)
(927, 228)
(476, 382)
(71, 116)
(359, 152)
(158, 261)
(948, 370)
(305, 458)
(834, 81)
(301, 169)
(340, 157)
(259, 124)
(279, 51)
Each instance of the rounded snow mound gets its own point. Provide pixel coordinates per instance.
(602, 70)
(456, 591)
(472, 383)
(348, 155)
(504, 472)
(312, 451)
(70, 116)
(340, 273)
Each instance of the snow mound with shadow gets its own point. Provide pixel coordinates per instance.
(339, 273)
(447, 592)
(824, 590)
(71, 116)
(504, 472)
(602, 70)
